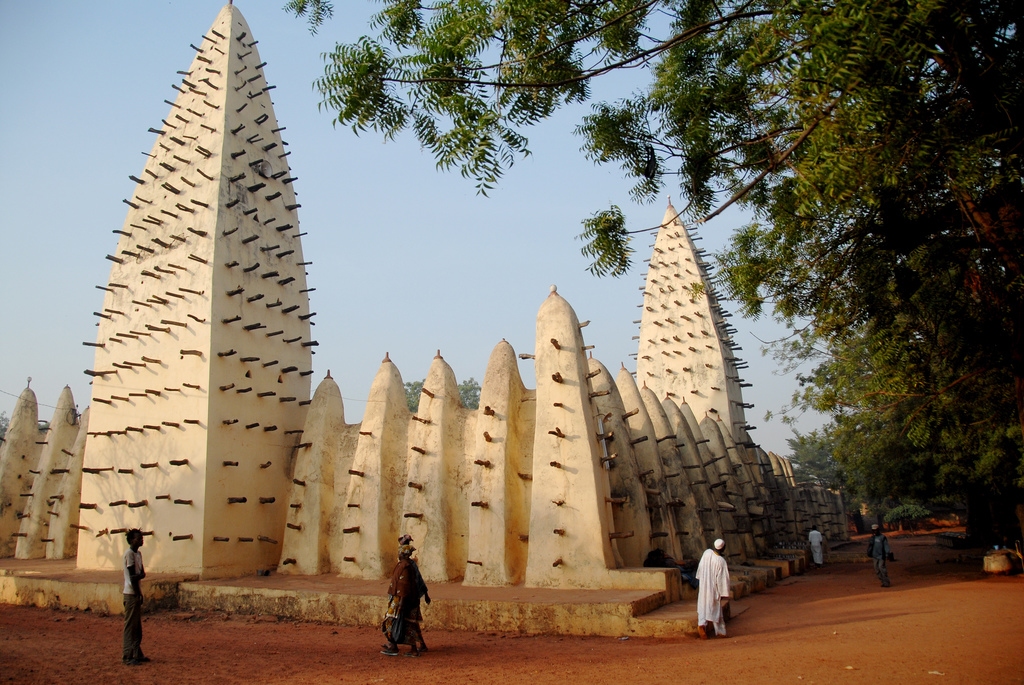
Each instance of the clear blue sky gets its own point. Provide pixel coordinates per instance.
(406, 259)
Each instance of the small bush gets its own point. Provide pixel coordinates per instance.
(906, 513)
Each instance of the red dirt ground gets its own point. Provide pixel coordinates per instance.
(939, 623)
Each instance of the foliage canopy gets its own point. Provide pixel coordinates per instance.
(469, 394)
(812, 457)
(877, 145)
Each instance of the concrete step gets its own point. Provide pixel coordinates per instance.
(756, 577)
(738, 587)
(676, 618)
(847, 557)
(800, 557)
(780, 567)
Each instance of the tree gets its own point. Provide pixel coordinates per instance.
(4, 422)
(876, 145)
(895, 436)
(813, 461)
(906, 515)
(413, 389)
(845, 127)
(469, 394)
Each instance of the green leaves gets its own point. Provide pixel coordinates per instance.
(413, 390)
(316, 12)
(469, 394)
(876, 145)
(355, 86)
(906, 512)
(607, 242)
(621, 133)
(469, 76)
(813, 459)
(400, 22)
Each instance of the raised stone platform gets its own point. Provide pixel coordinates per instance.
(58, 584)
(647, 613)
(671, 615)
(780, 567)
(454, 606)
(799, 558)
(756, 578)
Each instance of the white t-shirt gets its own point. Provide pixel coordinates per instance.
(815, 537)
(132, 560)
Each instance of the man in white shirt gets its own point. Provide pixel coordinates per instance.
(815, 538)
(134, 571)
(713, 590)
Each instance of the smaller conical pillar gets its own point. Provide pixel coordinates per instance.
(306, 545)
(373, 500)
(630, 498)
(643, 440)
(500, 468)
(64, 526)
(435, 507)
(19, 456)
(569, 530)
(60, 438)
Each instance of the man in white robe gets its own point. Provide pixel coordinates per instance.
(815, 538)
(713, 591)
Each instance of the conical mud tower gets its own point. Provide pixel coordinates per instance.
(203, 349)
(37, 527)
(19, 457)
(686, 348)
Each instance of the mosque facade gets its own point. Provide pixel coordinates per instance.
(203, 432)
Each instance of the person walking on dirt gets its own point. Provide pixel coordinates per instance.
(880, 552)
(815, 538)
(712, 590)
(402, 619)
(134, 571)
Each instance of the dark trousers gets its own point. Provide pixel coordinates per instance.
(132, 644)
(882, 571)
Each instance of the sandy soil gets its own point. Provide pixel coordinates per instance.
(938, 623)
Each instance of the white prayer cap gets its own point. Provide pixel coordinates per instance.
(719, 544)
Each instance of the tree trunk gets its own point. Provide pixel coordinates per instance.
(979, 515)
(1020, 519)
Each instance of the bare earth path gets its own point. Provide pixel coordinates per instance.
(939, 623)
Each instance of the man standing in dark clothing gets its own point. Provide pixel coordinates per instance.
(880, 552)
(134, 571)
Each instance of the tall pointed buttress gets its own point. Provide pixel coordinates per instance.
(201, 377)
(686, 350)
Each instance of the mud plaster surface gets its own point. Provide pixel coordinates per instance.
(946, 618)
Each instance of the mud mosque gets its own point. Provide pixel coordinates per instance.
(204, 430)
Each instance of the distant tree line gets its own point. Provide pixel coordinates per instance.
(469, 394)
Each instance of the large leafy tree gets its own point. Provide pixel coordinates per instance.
(813, 459)
(877, 145)
(920, 410)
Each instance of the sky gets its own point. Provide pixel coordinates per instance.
(407, 259)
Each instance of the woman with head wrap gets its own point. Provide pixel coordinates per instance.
(401, 624)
